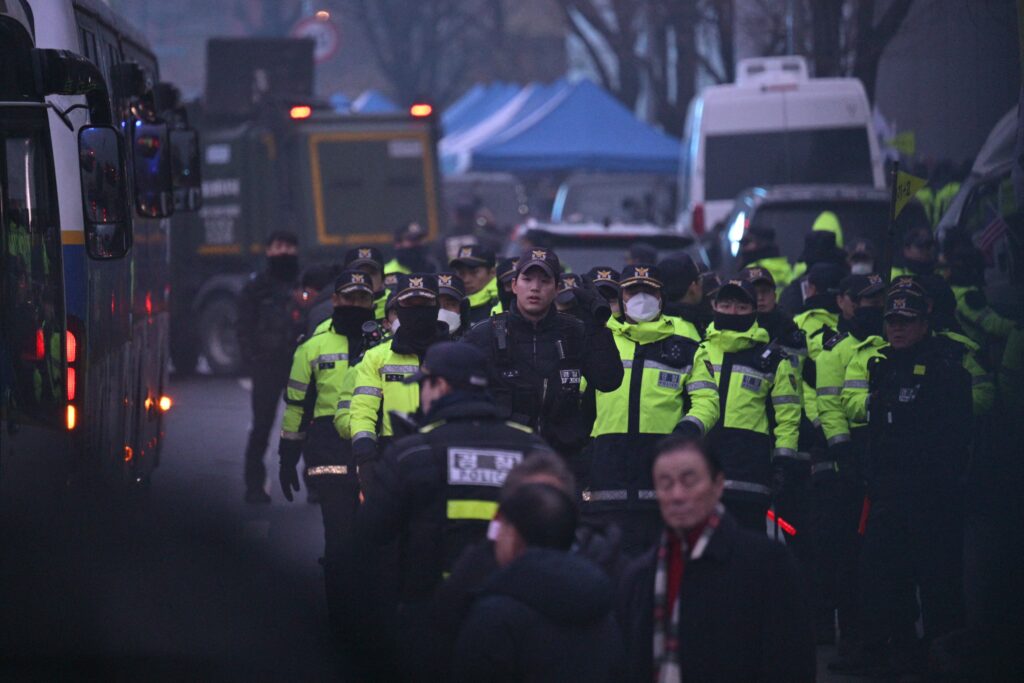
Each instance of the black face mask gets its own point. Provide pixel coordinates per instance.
(348, 320)
(417, 322)
(868, 321)
(283, 267)
(736, 323)
(412, 257)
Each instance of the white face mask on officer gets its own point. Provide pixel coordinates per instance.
(450, 318)
(643, 307)
(862, 267)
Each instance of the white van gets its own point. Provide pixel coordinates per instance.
(774, 126)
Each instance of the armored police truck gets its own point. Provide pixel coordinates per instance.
(275, 158)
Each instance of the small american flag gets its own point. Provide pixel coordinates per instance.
(993, 232)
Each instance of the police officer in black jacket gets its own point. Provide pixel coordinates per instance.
(919, 421)
(270, 322)
(437, 490)
(538, 357)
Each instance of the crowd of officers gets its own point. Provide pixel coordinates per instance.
(484, 442)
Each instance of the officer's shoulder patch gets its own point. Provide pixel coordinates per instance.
(834, 340)
(975, 299)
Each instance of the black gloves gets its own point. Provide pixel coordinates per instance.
(364, 450)
(778, 479)
(289, 451)
(688, 428)
(366, 476)
(845, 456)
(594, 306)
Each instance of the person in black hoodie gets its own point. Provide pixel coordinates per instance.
(546, 615)
(436, 491)
(711, 601)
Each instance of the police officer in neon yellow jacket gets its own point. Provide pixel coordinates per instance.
(759, 404)
(475, 266)
(665, 377)
(967, 278)
(378, 388)
(319, 366)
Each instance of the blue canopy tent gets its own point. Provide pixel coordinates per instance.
(456, 147)
(477, 104)
(374, 102)
(580, 127)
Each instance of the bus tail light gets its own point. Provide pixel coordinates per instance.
(300, 111)
(697, 222)
(72, 419)
(71, 380)
(165, 403)
(72, 349)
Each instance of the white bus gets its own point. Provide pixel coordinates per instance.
(774, 126)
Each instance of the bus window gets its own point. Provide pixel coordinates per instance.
(31, 346)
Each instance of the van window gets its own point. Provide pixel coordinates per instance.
(732, 163)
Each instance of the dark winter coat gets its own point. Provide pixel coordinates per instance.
(743, 616)
(545, 617)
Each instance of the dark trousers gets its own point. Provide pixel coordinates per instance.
(913, 541)
(837, 509)
(794, 504)
(750, 511)
(268, 382)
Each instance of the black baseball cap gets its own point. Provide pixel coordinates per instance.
(908, 283)
(507, 268)
(451, 285)
(905, 304)
(826, 276)
(757, 275)
(861, 250)
(641, 274)
(541, 258)
(737, 286)
(856, 286)
(364, 256)
(352, 281)
(678, 272)
(416, 284)
(463, 365)
(710, 283)
(569, 281)
(604, 276)
(473, 255)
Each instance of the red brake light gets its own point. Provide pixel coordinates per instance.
(697, 222)
(71, 382)
(40, 345)
(71, 346)
(301, 111)
(421, 110)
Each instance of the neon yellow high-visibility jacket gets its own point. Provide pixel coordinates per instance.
(831, 366)
(748, 441)
(379, 390)
(829, 222)
(813, 322)
(855, 382)
(482, 303)
(380, 303)
(980, 322)
(319, 366)
(663, 376)
(394, 266)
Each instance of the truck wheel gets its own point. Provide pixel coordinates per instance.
(217, 323)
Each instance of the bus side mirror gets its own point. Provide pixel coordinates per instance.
(104, 192)
(154, 197)
(188, 194)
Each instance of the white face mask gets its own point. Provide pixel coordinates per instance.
(453, 320)
(862, 267)
(643, 308)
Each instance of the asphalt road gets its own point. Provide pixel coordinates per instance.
(189, 583)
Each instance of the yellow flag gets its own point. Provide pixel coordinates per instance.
(905, 143)
(906, 187)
